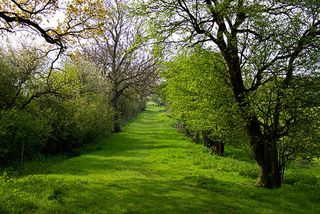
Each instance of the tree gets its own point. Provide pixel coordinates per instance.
(37, 118)
(122, 55)
(195, 81)
(158, 94)
(53, 20)
(80, 114)
(21, 78)
(35, 16)
(265, 44)
(22, 127)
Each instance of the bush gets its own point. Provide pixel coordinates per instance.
(61, 116)
(22, 135)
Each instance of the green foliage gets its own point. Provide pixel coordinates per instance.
(82, 116)
(62, 116)
(159, 94)
(23, 131)
(20, 77)
(265, 45)
(199, 98)
(296, 112)
(20, 130)
(60, 113)
(130, 107)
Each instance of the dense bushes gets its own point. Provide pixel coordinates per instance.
(24, 127)
(22, 134)
(42, 113)
(131, 104)
(82, 114)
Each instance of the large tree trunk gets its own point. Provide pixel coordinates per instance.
(270, 176)
(266, 155)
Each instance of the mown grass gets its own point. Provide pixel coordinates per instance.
(151, 168)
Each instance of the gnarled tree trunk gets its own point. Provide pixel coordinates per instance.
(266, 155)
(271, 172)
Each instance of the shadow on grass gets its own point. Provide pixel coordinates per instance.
(127, 155)
(191, 194)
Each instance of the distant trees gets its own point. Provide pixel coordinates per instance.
(158, 93)
(125, 60)
(266, 46)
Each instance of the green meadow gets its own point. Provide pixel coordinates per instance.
(152, 168)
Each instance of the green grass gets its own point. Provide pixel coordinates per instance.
(151, 168)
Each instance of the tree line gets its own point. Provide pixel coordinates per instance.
(271, 54)
(48, 109)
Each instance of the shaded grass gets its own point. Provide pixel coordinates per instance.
(151, 168)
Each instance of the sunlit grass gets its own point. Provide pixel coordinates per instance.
(151, 168)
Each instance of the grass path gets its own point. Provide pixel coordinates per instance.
(150, 168)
